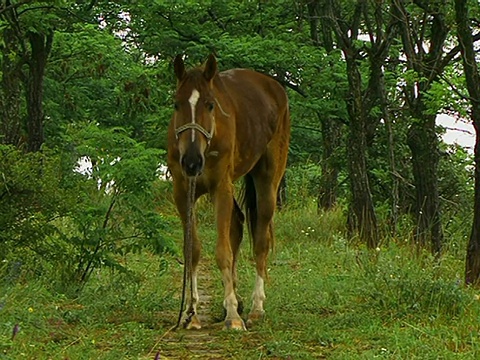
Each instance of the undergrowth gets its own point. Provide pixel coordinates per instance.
(326, 298)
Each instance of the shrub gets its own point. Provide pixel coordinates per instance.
(69, 224)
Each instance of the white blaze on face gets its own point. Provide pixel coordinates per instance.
(193, 103)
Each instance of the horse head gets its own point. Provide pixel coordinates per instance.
(194, 117)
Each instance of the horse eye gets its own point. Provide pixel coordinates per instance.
(210, 106)
(175, 106)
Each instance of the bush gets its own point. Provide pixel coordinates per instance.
(56, 220)
(302, 183)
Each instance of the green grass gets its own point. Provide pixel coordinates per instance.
(326, 298)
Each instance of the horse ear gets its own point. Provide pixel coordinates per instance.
(210, 68)
(179, 67)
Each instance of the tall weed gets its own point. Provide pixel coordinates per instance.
(402, 284)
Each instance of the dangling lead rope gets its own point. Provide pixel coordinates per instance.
(187, 251)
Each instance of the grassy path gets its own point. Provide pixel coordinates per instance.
(326, 299)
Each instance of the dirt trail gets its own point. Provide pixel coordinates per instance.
(197, 344)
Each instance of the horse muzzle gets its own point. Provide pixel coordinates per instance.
(192, 162)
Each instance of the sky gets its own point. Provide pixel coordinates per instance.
(457, 131)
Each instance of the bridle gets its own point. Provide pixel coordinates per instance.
(194, 126)
(199, 128)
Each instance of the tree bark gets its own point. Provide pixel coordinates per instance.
(422, 141)
(10, 131)
(381, 35)
(363, 122)
(40, 48)
(464, 33)
(330, 128)
(421, 138)
(362, 218)
(331, 136)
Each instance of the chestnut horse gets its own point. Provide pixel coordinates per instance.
(227, 125)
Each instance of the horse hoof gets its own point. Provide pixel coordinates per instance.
(254, 318)
(235, 324)
(193, 323)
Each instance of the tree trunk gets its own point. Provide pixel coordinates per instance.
(10, 91)
(377, 96)
(421, 137)
(362, 217)
(330, 128)
(422, 141)
(472, 264)
(381, 95)
(40, 49)
(329, 182)
(464, 33)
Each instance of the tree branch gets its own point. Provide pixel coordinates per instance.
(291, 86)
(332, 17)
(182, 34)
(216, 20)
(401, 14)
(49, 7)
(357, 17)
(13, 6)
(91, 5)
(454, 89)
(455, 51)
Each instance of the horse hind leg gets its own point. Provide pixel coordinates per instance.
(236, 237)
(265, 191)
(224, 208)
(263, 241)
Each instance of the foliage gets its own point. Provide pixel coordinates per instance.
(66, 224)
(456, 178)
(92, 78)
(32, 196)
(106, 95)
(303, 184)
(111, 65)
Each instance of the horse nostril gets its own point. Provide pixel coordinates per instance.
(192, 164)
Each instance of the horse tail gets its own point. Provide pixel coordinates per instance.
(250, 204)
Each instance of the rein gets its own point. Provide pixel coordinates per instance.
(187, 252)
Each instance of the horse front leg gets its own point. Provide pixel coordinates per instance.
(225, 256)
